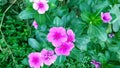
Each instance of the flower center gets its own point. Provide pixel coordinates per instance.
(64, 47)
(57, 36)
(35, 60)
(48, 56)
(105, 18)
(41, 5)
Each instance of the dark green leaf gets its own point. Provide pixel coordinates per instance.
(25, 61)
(82, 42)
(116, 22)
(97, 31)
(60, 60)
(58, 22)
(34, 44)
(27, 14)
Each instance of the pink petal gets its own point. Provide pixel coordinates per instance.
(53, 29)
(41, 11)
(56, 43)
(35, 6)
(54, 58)
(44, 51)
(50, 37)
(51, 61)
(36, 1)
(35, 24)
(59, 52)
(35, 60)
(71, 36)
(48, 56)
(46, 7)
(106, 17)
(64, 49)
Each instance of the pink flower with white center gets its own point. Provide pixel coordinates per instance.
(57, 35)
(71, 36)
(48, 57)
(35, 60)
(106, 17)
(64, 49)
(35, 24)
(41, 5)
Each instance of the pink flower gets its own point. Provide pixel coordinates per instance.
(106, 17)
(35, 24)
(97, 64)
(41, 6)
(48, 57)
(71, 36)
(111, 35)
(57, 35)
(35, 60)
(64, 49)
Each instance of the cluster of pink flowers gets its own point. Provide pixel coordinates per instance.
(38, 59)
(40, 5)
(62, 40)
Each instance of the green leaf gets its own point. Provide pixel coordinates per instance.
(58, 22)
(84, 7)
(28, 3)
(27, 14)
(76, 54)
(3, 2)
(25, 61)
(85, 16)
(100, 5)
(52, 5)
(40, 36)
(77, 24)
(40, 18)
(97, 31)
(116, 22)
(102, 58)
(102, 44)
(60, 11)
(34, 44)
(82, 42)
(60, 60)
(72, 3)
(53, 1)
